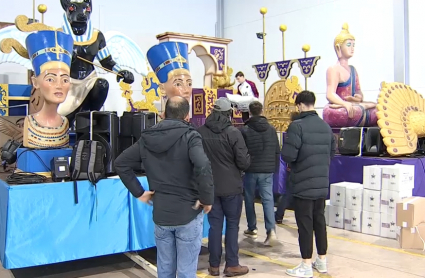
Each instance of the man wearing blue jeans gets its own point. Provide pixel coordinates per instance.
(226, 149)
(263, 147)
(179, 175)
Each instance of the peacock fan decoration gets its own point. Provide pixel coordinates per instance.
(401, 117)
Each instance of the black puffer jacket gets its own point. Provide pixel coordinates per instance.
(308, 149)
(226, 149)
(263, 145)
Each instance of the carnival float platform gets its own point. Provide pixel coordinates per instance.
(41, 224)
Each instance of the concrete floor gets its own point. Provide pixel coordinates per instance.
(351, 255)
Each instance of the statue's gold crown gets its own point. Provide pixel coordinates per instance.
(343, 36)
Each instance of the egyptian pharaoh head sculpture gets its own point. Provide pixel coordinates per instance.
(169, 61)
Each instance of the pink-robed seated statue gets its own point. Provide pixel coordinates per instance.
(346, 107)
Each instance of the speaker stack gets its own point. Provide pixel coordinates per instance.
(102, 127)
(366, 141)
(132, 124)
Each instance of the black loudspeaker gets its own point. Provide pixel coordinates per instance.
(102, 127)
(132, 124)
(365, 141)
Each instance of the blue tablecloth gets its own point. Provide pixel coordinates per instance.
(40, 223)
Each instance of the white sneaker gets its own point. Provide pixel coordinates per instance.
(271, 238)
(302, 270)
(320, 265)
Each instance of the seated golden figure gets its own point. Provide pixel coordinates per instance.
(50, 53)
(346, 106)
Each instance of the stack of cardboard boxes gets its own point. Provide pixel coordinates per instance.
(411, 220)
(392, 183)
(344, 210)
(371, 208)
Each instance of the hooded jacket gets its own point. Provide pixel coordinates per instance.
(263, 145)
(177, 170)
(226, 149)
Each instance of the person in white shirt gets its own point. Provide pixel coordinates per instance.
(246, 88)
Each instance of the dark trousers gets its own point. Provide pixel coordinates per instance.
(310, 216)
(285, 201)
(245, 116)
(231, 208)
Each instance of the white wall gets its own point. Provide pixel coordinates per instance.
(140, 20)
(314, 22)
(416, 45)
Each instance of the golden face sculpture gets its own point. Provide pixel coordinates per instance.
(346, 49)
(179, 83)
(53, 85)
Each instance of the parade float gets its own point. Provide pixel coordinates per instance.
(367, 133)
(95, 220)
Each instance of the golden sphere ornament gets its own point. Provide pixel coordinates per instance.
(283, 28)
(263, 10)
(306, 48)
(42, 8)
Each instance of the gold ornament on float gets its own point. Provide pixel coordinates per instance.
(279, 102)
(401, 117)
(151, 92)
(222, 81)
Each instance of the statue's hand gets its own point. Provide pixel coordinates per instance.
(356, 98)
(126, 75)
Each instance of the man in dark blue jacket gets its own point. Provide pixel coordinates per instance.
(179, 173)
(308, 149)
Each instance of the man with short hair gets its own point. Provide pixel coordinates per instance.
(226, 149)
(179, 174)
(246, 88)
(263, 147)
(308, 149)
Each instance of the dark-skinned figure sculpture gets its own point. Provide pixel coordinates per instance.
(88, 92)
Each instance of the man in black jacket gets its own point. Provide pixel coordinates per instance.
(308, 149)
(228, 154)
(263, 147)
(179, 174)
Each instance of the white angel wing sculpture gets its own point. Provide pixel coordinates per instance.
(13, 57)
(241, 102)
(125, 52)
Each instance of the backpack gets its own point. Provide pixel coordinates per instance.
(87, 163)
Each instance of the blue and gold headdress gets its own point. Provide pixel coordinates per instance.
(166, 57)
(49, 49)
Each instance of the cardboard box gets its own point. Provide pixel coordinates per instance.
(398, 177)
(412, 238)
(354, 197)
(327, 204)
(372, 176)
(353, 220)
(371, 200)
(388, 226)
(389, 200)
(336, 217)
(410, 212)
(337, 195)
(371, 223)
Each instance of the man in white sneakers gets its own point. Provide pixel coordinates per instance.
(308, 149)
